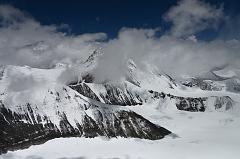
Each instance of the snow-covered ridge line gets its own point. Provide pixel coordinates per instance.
(128, 94)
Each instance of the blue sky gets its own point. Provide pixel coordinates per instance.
(90, 16)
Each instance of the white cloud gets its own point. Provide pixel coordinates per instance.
(131, 43)
(174, 56)
(24, 41)
(9, 16)
(191, 16)
(27, 42)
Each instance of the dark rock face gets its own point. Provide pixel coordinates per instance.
(186, 104)
(202, 84)
(225, 103)
(23, 130)
(114, 95)
(14, 133)
(92, 57)
(195, 104)
(83, 89)
(191, 104)
(118, 96)
(1, 71)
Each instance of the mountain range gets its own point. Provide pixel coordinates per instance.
(39, 104)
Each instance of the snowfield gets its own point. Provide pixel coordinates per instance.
(198, 135)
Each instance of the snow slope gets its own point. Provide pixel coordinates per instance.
(208, 135)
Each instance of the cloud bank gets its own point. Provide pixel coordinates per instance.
(178, 52)
(24, 41)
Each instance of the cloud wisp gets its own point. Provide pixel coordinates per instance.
(191, 16)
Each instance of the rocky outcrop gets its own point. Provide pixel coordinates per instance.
(203, 84)
(225, 103)
(120, 96)
(191, 104)
(1, 71)
(83, 89)
(110, 94)
(197, 104)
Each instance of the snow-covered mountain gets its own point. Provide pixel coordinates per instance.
(36, 105)
(223, 78)
(38, 108)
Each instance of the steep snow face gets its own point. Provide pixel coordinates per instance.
(150, 79)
